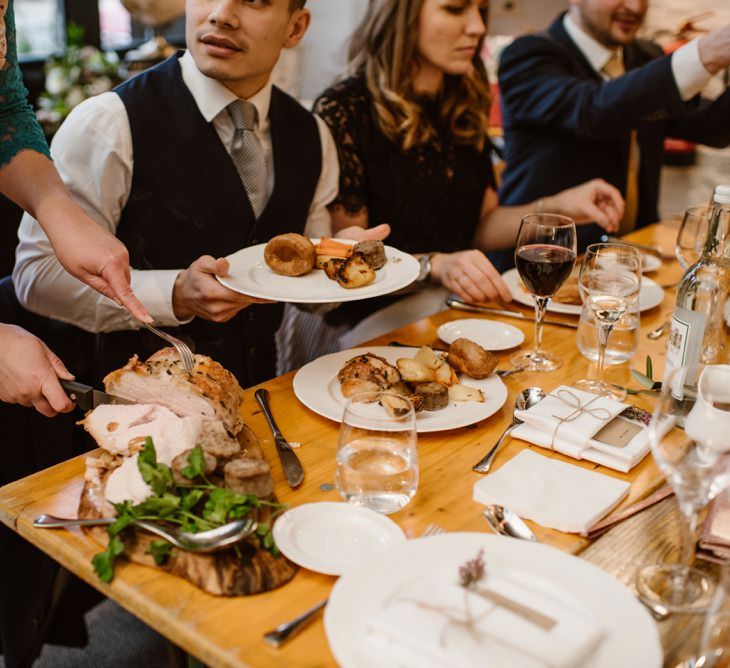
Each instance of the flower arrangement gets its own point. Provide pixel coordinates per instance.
(81, 72)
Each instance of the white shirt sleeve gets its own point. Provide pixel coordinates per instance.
(93, 154)
(319, 222)
(690, 74)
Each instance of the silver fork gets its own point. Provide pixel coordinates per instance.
(186, 355)
(283, 632)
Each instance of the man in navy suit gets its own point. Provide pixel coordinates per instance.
(587, 99)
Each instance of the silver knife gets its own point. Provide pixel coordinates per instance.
(293, 470)
(87, 398)
(655, 250)
(452, 302)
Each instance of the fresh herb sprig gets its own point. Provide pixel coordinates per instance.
(193, 508)
(646, 379)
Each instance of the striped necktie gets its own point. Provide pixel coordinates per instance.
(248, 154)
(612, 69)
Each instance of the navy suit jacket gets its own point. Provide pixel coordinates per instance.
(565, 125)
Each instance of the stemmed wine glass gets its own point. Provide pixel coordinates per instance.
(694, 458)
(610, 282)
(544, 256)
(691, 236)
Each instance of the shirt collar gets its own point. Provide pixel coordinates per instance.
(596, 54)
(212, 97)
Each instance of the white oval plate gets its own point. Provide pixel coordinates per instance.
(250, 275)
(651, 295)
(650, 263)
(331, 537)
(489, 334)
(317, 387)
(632, 639)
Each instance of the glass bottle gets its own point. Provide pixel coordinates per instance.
(699, 329)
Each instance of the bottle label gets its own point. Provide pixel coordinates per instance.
(685, 339)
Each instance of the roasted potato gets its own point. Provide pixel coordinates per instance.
(459, 392)
(395, 406)
(429, 358)
(332, 266)
(471, 359)
(445, 375)
(355, 272)
(413, 371)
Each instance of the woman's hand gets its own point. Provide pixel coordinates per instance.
(594, 201)
(470, 275)
(29, 373)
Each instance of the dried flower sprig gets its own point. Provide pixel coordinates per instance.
(471, 572)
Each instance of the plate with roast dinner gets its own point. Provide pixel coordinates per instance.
(446, 389)
(567, 298)
(294, 268)
(182, 457)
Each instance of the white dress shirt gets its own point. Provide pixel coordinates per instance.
(689, 73)
(93, 153)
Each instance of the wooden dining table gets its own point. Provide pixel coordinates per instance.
(228, 632)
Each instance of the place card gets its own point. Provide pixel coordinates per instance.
(618, 433)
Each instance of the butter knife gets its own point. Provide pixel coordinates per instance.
(289, 461)
(452, 302)
(654, 250)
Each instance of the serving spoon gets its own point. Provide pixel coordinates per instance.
(204, 541)
(525, 399)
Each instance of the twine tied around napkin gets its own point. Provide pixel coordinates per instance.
(570, 399)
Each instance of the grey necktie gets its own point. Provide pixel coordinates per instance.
(248, 154)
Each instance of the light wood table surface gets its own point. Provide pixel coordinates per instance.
(228, 632)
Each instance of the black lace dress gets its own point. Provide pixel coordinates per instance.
(431, 196)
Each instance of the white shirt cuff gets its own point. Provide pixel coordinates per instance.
(690, 74)
(154, 289)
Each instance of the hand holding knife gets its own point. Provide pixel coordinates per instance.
(86, 397)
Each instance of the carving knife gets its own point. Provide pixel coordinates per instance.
(452, 302)
(293, 470)
(87, 398)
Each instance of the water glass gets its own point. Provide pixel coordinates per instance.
(691, 236)
(622, 344)
(377, 453)
(690, 441)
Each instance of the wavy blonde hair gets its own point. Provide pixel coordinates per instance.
(385, 49)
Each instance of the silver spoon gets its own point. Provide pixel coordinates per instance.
(659, 331)
(525, 399)
(205, 541)
(506, 523)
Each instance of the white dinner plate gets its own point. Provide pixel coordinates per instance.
(632, 639)
(250, 275)
(651, 295)
(330, 537)
(489, 334)
(317, 387)
(650, 263)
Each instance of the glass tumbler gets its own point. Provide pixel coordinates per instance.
(377, 453)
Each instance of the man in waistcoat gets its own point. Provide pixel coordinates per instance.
(188, 162)
(587, 98)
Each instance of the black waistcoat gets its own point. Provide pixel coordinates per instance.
(187, 200)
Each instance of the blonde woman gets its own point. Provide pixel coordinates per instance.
(411, 129)
(29, 371)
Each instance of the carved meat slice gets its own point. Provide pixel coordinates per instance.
(369, 367)
(210, 392)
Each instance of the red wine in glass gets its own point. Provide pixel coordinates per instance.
(544, 267)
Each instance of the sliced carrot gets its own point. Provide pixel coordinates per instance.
(332, 243)
(334, 252)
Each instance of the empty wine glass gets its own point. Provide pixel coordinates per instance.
(544, 256)
(694, 457)
(691, 236)
(610, 282)
(377, 454)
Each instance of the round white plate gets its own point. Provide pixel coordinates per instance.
(317, 387)
(330, 537)
(250, 275)
(632, 639)
(650, 263)
(489, 334)
(651, 295)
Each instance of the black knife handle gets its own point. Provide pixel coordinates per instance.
(82, 395)
(262, 396)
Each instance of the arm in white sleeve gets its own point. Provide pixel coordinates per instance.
(93, 153)
(690, 74)
(319, 223)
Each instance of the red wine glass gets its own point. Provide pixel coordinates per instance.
(544, 254)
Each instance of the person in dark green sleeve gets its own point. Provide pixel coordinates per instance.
(29, 371)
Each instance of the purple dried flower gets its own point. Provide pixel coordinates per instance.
(472, 571)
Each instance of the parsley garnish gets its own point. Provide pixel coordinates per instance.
(194, 507)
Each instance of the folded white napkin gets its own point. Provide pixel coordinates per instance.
(567, 419)
(435, 623)
(550, 492)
